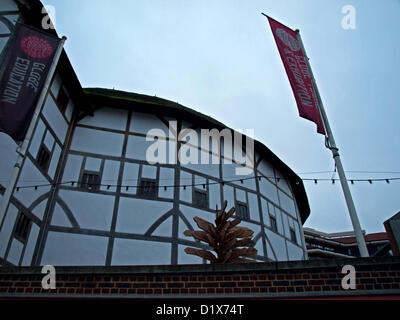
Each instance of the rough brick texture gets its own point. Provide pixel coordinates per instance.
(374, 276)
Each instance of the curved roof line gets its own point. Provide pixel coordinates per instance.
(149, 104)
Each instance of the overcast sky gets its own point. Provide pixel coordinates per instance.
(219, 57)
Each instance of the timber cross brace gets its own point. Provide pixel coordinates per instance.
(223, 238)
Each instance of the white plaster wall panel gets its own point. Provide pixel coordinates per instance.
(8, 5)
(229, 174)
(285, 224)
(56, 85)
(60, 218)
(184, 258)
(109, 118)
(182, 227)
(15, 252)
(228, 196)
(92, 164)
(240, 195)
(190, 213)
(185, 193)
(72, 168)
(137, 215)
(54, 161)
(265, 212)
(55, 118)
(8, 158)
(3, 42)
(110, 175)
(38, 211)
(30, 176)
(69, 110)
(271, 208)
(166, 179)
(298, 218)
(266, 169)
(291, 223)
(253, 207)
(287, 204)
(295, 252)
(140, 252)
(130, 177)
(30, 246)
(97, 141)
(268, 190)
(270, 252)
(278, 243)
(137, 147)
(69, 249)
(283, 182)
(200, 182)
(299, 234)
(13, 18)
(214, 195)
(259, 247)
(49, 140)
(4, 29)
(37, 138)
(7, 228)
(210, 170)
(149, 172)
(144, 122)
(185, 178)
(91, 210)
(206, 167)
(279, 222)
(164, 229)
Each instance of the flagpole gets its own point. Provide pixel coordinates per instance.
(335, 153)
(22, 150)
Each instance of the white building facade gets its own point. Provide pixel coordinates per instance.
(87, 195)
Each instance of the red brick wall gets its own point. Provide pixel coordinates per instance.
(290, 279)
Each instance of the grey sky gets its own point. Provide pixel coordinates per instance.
(219, 58)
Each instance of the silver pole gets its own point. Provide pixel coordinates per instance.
(25, 144)
(335, 153)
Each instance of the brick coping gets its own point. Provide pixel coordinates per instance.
(280, 266)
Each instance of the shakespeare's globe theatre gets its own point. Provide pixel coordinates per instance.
(111, 179)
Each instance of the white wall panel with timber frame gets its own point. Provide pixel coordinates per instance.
(107, 118)
(8, 17)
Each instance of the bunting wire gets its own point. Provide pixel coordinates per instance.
(186, 185)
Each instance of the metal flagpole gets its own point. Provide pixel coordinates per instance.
(25, 144)
(335, 153)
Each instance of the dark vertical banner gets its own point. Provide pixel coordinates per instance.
(28, 64)
(299, 75)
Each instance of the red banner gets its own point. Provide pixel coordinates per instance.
(299, 75)
(28, 64)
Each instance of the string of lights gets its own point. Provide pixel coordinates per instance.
(204, 184)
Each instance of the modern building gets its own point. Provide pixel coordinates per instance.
(392, 227)
(87, 193)
(322, 245)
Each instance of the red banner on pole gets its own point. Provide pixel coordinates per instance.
(28, 64)
(294, 60)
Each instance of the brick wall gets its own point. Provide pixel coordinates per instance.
(295, 279)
